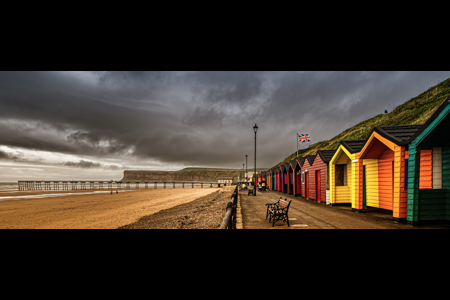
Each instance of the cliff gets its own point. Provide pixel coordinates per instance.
(186, 175)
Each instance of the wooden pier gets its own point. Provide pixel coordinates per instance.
(64, 185)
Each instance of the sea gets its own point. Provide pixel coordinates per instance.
(7, 189)
(8, 186)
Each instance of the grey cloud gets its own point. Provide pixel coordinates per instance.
(84, 164)
(7, 156)
(19, 157)
(191, 118)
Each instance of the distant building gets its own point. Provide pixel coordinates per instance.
(225, 179)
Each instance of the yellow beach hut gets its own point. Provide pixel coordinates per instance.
(344, 173)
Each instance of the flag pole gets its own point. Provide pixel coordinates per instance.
(297, 144)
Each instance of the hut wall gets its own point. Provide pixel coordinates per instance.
(307, 170)
(318, 165)
(386, 180)
(280, 180)
(291, 182)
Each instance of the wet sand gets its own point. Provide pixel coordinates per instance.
(92, 211)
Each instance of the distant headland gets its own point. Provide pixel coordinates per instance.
(186, 174)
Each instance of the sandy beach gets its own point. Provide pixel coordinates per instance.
(100, 210)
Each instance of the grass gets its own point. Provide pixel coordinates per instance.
(415, 111)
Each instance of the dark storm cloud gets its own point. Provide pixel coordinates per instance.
(192, 118)
(7, 156)
(18, 157)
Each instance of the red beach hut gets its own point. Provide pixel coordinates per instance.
(319, 171)
(280, 179)
(291, 177)
(306, 185)
(298, 175)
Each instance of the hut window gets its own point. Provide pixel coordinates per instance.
(341, 175)
(437, 168)
(303, 177)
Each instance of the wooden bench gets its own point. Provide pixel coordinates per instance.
(278, 211)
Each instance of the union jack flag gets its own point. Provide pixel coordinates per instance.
(304, 138)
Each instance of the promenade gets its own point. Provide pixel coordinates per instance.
(307, 214)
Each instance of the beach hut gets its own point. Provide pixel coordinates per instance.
(305, 175)
(285, 177)
(298, 175)
(290, 180)
(382, 170)
(318, 179)
(272, 186)
(280, 179)
(428, 170)
(344, 173)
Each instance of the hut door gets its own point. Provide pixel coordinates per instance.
(318, 186)
(364, 188)
(298, 185)
(307, 184)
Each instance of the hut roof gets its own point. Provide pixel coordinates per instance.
(400, 134)
(301, 161)
(310, 158)
(292, 163)
(354, 145)
(326, 155)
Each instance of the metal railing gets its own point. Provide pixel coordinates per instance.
(229, 221)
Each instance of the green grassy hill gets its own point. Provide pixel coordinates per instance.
(415, 111)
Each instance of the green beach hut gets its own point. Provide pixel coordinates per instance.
(429, 170)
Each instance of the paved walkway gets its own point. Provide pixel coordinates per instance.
(306, 214)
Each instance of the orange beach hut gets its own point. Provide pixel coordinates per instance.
(382, 170)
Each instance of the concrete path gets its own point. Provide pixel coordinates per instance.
(307, 214)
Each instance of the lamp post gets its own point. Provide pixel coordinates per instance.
(246, 172)
(255, 129)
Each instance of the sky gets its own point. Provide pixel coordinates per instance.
(93, 125)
